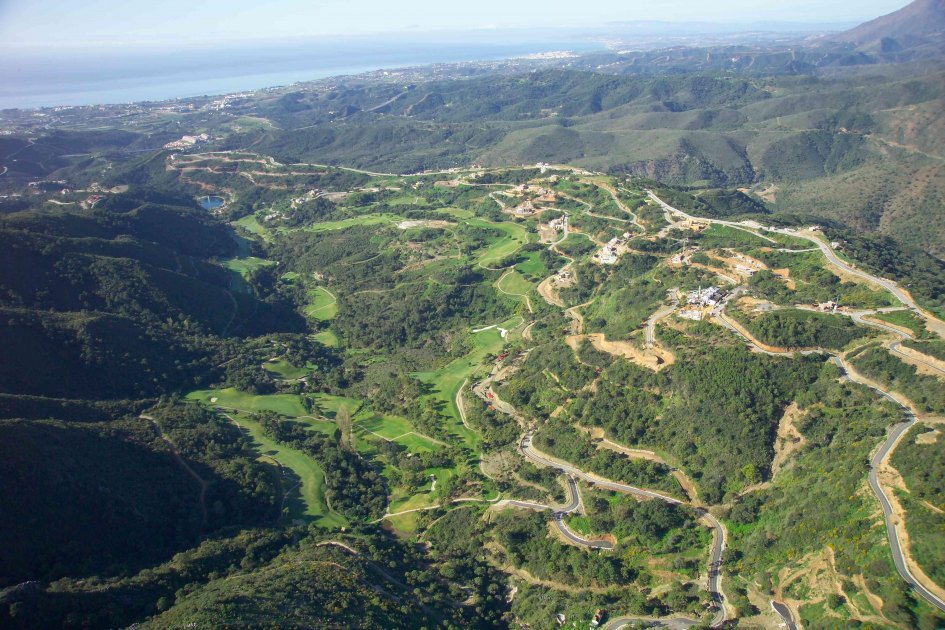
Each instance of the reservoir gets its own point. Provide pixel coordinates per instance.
(210, 203)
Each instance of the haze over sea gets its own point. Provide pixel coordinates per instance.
(105, 76)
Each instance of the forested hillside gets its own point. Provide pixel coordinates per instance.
(648, 338)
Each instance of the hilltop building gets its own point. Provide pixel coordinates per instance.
(561, 223)
(710, 296)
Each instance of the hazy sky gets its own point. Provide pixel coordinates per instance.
(70, 23)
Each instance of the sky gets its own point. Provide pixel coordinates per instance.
(64, 24)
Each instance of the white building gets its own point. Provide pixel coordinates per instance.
(560, 223)
(710, 296)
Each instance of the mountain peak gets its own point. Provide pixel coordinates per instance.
(920, 19)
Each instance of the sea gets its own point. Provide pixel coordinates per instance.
(118, 75)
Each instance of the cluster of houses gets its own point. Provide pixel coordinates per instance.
(610, 253)
(745, 270)
(699, 300)
(532, 197)
(187, 141)
(227, 101)
(710, 296)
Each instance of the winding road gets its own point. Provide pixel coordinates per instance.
(650, 331)
(887, 447)
(714, 585)
(900, 294)
(897, 431)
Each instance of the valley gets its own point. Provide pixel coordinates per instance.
(390, 395)
(647, 336)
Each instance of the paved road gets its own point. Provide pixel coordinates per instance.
(719, 536)
(891, 442)
(559, 514)
(895, 434)
(785, 614)
(887, 447)
(529, 451)
(680, 623)
(894, 347)
(650, 332)
(934, 324)
(897, 431)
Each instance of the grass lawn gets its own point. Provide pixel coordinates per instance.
(532, 265)
(285, 404)
(244, 266)
(328, 338)
(580, 524)
(250, 224)
(459, 213)
(327, 427)
(447, 380)
(514, 283)
(416, 443)
(407, 200)
(330, 405)
(285, 370)
(388, 427)
(514, 237)
(322, 305)
(405, 523)
(395, 429)
(414, 501)
(307, 501)
(367, 219)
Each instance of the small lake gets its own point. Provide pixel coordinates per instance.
(210, 203)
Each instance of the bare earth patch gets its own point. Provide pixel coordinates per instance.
(875, 600)
(789, 439)
(769, 194)
(498, 464)
(786, 274)
(547, 291)
(923, 363)
(929, 437)
(819, 572)
(654, 358)
(406, 225)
